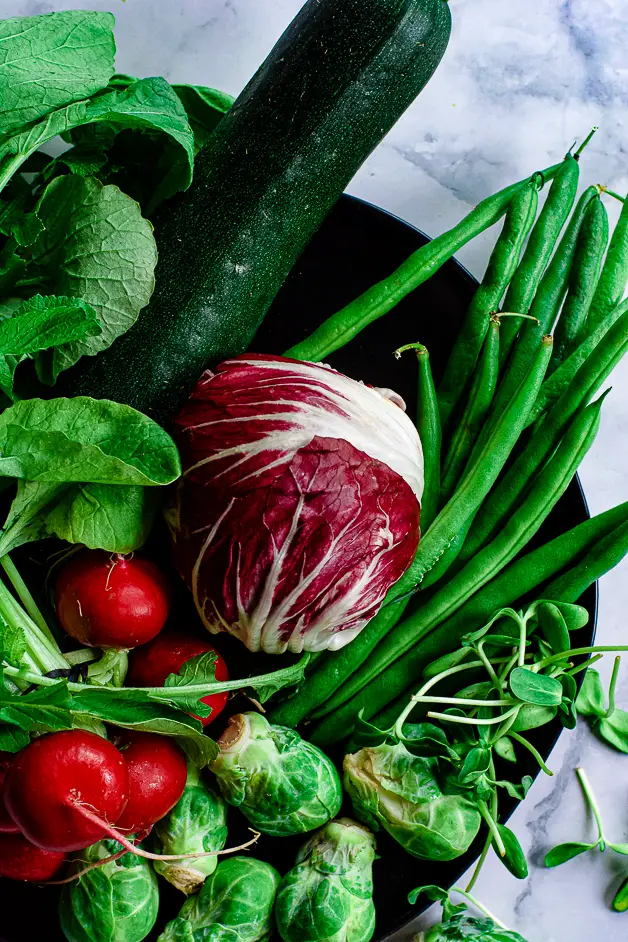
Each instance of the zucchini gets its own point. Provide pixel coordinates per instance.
(335, 83)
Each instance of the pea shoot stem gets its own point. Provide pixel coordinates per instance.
(613, 685)
(528, 745)
(576, 652)
(468, 721)
(593, 805)
(492, 826)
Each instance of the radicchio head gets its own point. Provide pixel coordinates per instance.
(299, 504)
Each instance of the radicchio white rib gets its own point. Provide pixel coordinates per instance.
(300, 501)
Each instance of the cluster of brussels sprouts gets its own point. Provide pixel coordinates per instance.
(284, 786)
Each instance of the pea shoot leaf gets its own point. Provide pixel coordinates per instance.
(505, 749)
(532, 687)
(591, 700)
(514, 859)
(49, 61)
(553, 627)
(563, 852)
(614, 730)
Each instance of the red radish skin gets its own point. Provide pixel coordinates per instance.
(157, 774)
(110, 601)
(21, 860)
(55, 778)
(7, 824)
(153, 662)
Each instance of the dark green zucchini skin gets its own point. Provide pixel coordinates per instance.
(335, 83)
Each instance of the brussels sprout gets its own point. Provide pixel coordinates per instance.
(393, 789)
(198, 822)
(235, 904)
(328, 895)
(281, 783)
(461, 928)
(116, 902)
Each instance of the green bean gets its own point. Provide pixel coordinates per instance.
(578, 547)
(429, 429)
(583, 279)
(320, 685)
(500, 269)
(545, 492)
(608, 553)
(545, 437)
(543, 238)
(556, 384)
(485, 465)
(376, 301)
(612, 284)
(546, 304)
(480, 398)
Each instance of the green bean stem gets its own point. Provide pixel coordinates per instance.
(543, 238)
(546, 304)
(429, 429)
(381, 298)
(485, 464)
(501, 267)
(515, 534)
(478, 405)
(591, 548)
(583, 279)
(614, 276)
(584, 384)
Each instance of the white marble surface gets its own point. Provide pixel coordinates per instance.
(520, 81)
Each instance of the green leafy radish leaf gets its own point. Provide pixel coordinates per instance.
(534, 688)
(12, 643)
(591, 700)
(139, 712)
(514, 859)
(104, 516)
(46, 707)
(553, 627)
(614, 730)
(426, 739)
(98, 247)
(205, 108)
(563, 852)
(505, 749)
(149, 106)
(84, 440)
(13, 739)
(26, 522)
(49, 61)
(199, 670)
(39, 324)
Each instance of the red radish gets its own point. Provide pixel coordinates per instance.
(111, 601)
(153, 662)
(58, 784)
(157, 774)
(21, 860)
(7, 824)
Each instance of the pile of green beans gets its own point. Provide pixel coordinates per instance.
(488, 485)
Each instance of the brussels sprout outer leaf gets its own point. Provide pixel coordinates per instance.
(198, 822)
(117, 901)
(281, 783)
(327, 896)
(235, 903)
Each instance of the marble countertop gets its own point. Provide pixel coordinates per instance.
(521, 81)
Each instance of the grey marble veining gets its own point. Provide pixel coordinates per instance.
(521, 80)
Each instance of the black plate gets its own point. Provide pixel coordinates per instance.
(357, 245)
